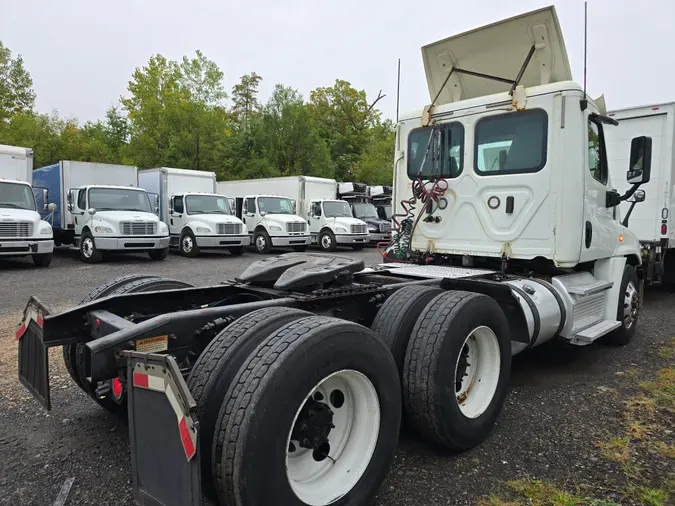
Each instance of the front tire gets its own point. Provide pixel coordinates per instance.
(457, 368)
(327, 241)
(262, 242)
(158, 254)
(43, 260)
(89, 253)
(188, 244)
(316, 410)
(236, 251)
(627, 310)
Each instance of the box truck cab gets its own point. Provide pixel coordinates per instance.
(653, 222)
(380, 196)
(22, 230)
(268, 213)
(363, 209)
(99, 209)
(197, 216)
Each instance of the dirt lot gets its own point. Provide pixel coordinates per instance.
(581, 425)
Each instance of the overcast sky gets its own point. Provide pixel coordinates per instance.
(81, 53)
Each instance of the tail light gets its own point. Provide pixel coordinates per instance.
(664, 229)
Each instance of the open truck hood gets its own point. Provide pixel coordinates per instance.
(499, 49)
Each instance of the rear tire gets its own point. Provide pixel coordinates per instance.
(158, 254)
(149, 284)
(237, 251)
(216, 367)
(627, 310)
(460, 340)
(308, 374)
(43, 260)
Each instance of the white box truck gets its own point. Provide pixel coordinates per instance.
(99, 208)
(197, 216)
(268, 213)
(653, 222)
(22, 230)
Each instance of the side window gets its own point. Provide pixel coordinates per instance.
(250, 205)
(316, 209)
(443, 155)
(512, 143)
(82, 199)
(178, 205)
(597, 155)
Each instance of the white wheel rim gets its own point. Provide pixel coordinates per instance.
(325, 241)
(630, 305)
(260, 242)
(88, 247)
(187, 244)
(476, 379)
(351, 443)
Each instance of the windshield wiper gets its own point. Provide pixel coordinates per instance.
(13, 206)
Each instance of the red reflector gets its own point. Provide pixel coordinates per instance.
(117, 387)
(655, 108)
(21, 331)
(40, 321)
(188, 446)
(97, 324)
(141, 380)
(612, 114)
(664, 229)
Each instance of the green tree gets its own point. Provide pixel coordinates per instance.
(245, 97)
(16, 86)
(344, 118)
(116, 134)
(290, 139)
(376, 163)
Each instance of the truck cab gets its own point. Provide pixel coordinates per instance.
(272, 222)
(204, 220)
(363, 209)
(381, 199)
(115, 218)
(331, 224)
(22, 231)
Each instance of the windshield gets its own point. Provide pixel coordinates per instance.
(365, 211)
(207, 204)
(384, 212)
(275, 205)
(119, 199)
(336, 210)
(17, 196)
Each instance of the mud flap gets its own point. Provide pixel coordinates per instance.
(163, 432)
(33, 356)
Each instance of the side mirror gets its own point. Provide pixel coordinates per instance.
(69, 198)
(92, 211)
(45, 198)
(171, 206)
(640, 168)
(639, 196)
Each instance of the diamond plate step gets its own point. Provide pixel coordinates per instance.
(590, 289)
(600, 329)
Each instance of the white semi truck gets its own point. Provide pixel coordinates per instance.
(653, 222)
(198, 217)
(269, 214)
(22, 230)
(491, 258)
(99, 209)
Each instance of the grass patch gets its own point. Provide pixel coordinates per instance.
(667, 351)
(649, 496)
(664, 449)
(662, 389)
(615, 450)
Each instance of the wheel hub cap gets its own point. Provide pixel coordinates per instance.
(260, 242)
(87, 247)
(631, 303)
(187, 244)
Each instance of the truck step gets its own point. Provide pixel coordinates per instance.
(600, 329)
(596, 286)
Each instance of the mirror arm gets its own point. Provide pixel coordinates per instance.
(613, 199)
(630, 210)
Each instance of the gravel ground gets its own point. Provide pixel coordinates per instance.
(563, 401)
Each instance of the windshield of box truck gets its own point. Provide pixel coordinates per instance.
(207, 204)
(119, 199)
(365, 211)
(384, 212)
(16, 196)
(336, 210)
(275, 205)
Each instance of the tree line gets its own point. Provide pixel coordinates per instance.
(178, 114)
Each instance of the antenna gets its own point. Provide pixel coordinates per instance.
(398, 88)
(584, 102)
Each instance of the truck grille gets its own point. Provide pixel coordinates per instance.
(229, 228)
(16, 229)
(385, 227)
(138, 228)
(359, 229)
(296, 227)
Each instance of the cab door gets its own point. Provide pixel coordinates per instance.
(176, 219)
(599, 227)
(315, 217)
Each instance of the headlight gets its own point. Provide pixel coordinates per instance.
(372, 229)
(203, 230)
(274, 227)
(46, 231)
(103, 230)
(341, 229)
(163, 229)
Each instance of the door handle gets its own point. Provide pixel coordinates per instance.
(509, 205)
